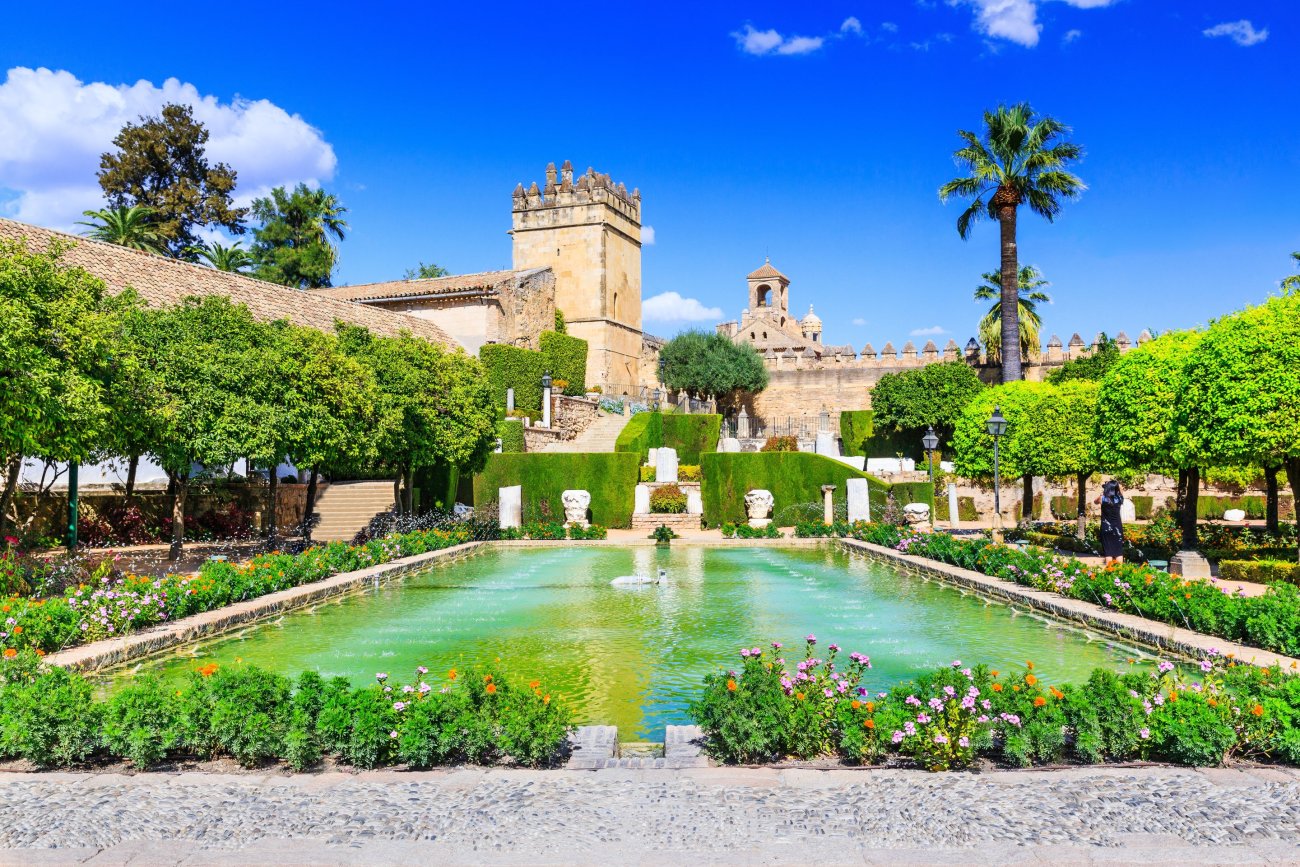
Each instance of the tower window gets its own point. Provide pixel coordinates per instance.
(751, 335)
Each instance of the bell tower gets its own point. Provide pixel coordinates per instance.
(589, 233)
(769, 288)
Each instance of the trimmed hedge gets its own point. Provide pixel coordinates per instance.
(566, 358)
(609, 477)
(966, 510)
(794, 478)
(860, 438)
(642, 433)
(1259, 571)
(915, 492)
(691, 435)
(856, 428)
(1212, 508)
(511, 431)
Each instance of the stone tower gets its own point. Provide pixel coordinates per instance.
(589, 233)
(769, 288)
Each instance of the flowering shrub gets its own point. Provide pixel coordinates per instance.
(1270, 621)
(106, 604)
(781, 444)
(579, 533)
(821, 529)
(668, 499)
(767, 711)
(50, 717)
(744, 531)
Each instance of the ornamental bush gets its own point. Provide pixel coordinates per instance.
(781, 444)
(668, 500)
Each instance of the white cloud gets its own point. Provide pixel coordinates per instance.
(1016, 20)
(1070, 36)
(1241, 32)
(858, 320)
(672, 307)
(647, 236)
(53, 128)
(851, 25)
(760, 42)
(928, 332)
(889, 26)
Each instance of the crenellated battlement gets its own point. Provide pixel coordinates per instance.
(562, 191)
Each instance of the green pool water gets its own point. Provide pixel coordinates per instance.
(634, 656)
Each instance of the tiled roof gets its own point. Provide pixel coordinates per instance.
(161, 281)
(767, 272)
(486, 282)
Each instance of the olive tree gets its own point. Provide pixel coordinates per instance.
(703, 364)
(933, 395)
(972, 444)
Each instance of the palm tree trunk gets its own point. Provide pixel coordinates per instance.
(1270, 510)
(1010, 312)
(1189, 508)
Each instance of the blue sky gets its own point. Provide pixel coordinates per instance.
(816, 134)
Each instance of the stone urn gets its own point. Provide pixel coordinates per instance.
(758, 505)
(917, 516)
(575, 507)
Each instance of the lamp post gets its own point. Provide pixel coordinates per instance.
(546, 399)
(997, 426)
(655, 397)
(931, 442)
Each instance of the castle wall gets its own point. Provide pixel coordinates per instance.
(474, 321)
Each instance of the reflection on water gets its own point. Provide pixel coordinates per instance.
(633, 656)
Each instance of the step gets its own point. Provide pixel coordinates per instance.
(593, 747)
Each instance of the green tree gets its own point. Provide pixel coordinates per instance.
(233, 258)
(936, 394)
(292, 246)
(1137, 418)
(425, 272)
(1060, 438)
(972, 445)
(704, 365)
(127, 227)
(57, 330)
(436, 406)
(1018, 159)
(1031, 281)
(1091, 367)
(160, 163)
(1292, 281)
(1241, 389)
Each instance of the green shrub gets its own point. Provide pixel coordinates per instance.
(732, 530)
(688, 473)
(667, 500)
(244, 713)
(511, 432)
(663, 534)
(966, 510)
(1143, 507)
(1190, 731)
(644, 431)
(647, 474)
(50, 719)
(140, 722)
(518, 368)
(794, 478)
(856, 428)
(590, 533)
(781, 444)
(915, 492)
(1259, 571)
(691, 435)
(547, 530)
(609, 477)
(566, 358)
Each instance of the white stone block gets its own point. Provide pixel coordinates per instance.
(730, 445)
(858, 462)
(1189, 564)
(1230, 515)
(641, 500)
(650, 460)
(511, 506)
(694, 502)
(665, 465)
(826, 444)
(858, 493)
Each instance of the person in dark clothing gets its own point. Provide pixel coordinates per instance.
(1112, 525)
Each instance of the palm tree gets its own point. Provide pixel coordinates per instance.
(127, 227)
(233, 258)
(1030, 281)
(1292, 282)
(1018, 160)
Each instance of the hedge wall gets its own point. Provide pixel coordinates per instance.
(1259, 571)
(566, 358)
(856, 427)
(511, 431)
(642, 432)
(691, 435)
(916, 492)
(859, 438)
(966, 510)
(1212, 508)
(436, 487)
(794, 478)
(609, 477)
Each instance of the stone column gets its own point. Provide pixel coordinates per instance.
(546, 407)
(742, 424)
(858, 495)
(510, 399)
(510, 506)
(954, 514)
(828, 503)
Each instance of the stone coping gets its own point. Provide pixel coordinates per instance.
(113, 651)
(684, 541)
(1152, 633)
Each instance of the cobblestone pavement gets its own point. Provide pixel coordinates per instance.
(710, 816)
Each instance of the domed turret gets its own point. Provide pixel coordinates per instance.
(811, 325)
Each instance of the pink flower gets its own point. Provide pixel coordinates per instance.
(811, 639)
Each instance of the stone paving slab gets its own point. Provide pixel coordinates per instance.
(719, 816)
(1152, 633)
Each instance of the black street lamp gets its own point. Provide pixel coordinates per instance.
(931, 442)
(997, 426)
(546, 379)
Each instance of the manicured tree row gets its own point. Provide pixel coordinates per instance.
(52, 718)
(772, 708)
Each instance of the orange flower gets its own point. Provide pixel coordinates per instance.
(993, 673)
(731, 685)
(1029, 665)
(1173, 696)
(1039, 701)
(1057, 694)
(534, 683)
(40, 652)
(487, 678)
(871, 707)
(208, 670)
(491, 688)
(18, 630)
(1257, 710)
(546, 699)
(10, 653)
(6, 609)
(997, 687)
(1030, 679)
(1015, 687)
(855, 704)
(869, 723)
(1212, 702)
(451, 675)
(799, 695)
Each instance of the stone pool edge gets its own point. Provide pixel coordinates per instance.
(1130, 627)
(115, 651)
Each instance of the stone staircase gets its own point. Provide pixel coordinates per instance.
(599, 436)
(344, 509)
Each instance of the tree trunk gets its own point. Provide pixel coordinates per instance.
(408, 493)
(132, 464)
(1270, 510)
(1010, 304)
(1189, 508)
(1082, 480)
(1293, 478)
(311, 504)
(397, 491)
(1027, 498)
(12, 471)
(273, 490)
(181, 487)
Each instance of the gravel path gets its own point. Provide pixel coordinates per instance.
(715, 815)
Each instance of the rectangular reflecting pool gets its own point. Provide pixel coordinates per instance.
(634, 656)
